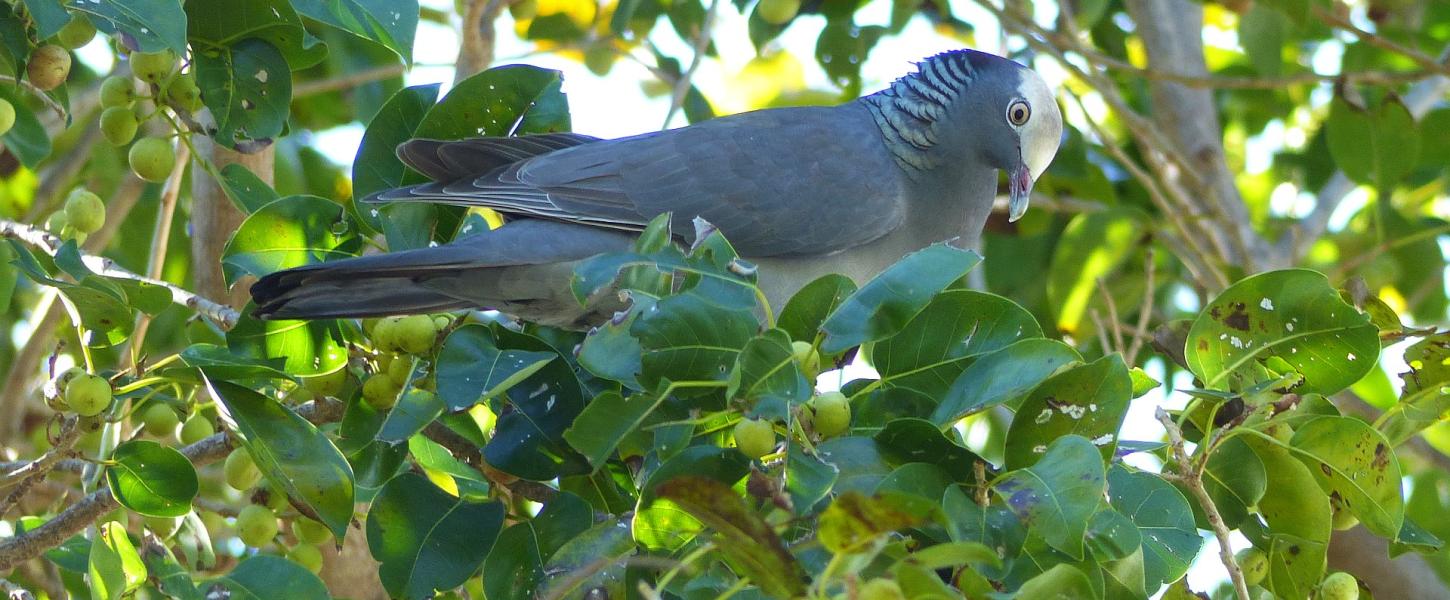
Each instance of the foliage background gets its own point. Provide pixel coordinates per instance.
(1298, 133)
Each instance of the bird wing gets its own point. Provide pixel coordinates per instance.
(795, 181)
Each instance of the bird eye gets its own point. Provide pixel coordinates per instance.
(1018, 112)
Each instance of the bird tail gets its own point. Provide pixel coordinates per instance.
(369, 286)
(467, 273)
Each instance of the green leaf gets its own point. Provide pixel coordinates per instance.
(248, 87)
(605, 422)
(49, 15)
(262, 576)
(808, 479)
(659, 523)
(507, 100)
(415, 410)
(690, 338)
(95, 303)
(1057, 495)
(1003, 376)
(377, 166)
(858, 460)
(169, 575)
(606, 543)
(1424, 400)
(887, 303)
(1170, 539)
(1299, 521)
(1087, 400)
(1264, 32)
(27, 138)
(515, 565)
(1291, 317)
(290, 232)
(1092, 246)
(904, 441)
(472, 369)
(152, 479)
(153, 25)
(293, 454)
(1374, 147)
(748, 543)
(115, 568)
(246, 191)
(304, 347)
(804, 313)
(610, 352)
(930, 352)
(917, 487)
(765, 371)
(391, 23)
(225, 364)
(1235, 479)
(427, 539)
(529, 442)
(1061, 581)
(1112, 536)
(1357, 467)
(220, 23)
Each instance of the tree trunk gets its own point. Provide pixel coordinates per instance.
(214, 218)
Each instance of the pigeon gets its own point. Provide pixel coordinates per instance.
(800, 192)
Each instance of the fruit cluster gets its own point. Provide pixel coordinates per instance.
(157, 77)
(827, 415)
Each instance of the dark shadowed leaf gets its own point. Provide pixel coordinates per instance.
(515, 565)
(154, 25)
(905, 441)
(261, 576)
(293, 454)
(472, 368)
(247, 85)
(427, 539)
(220, 23)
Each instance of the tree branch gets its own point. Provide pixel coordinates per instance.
(37, 92)
(1192, 479)
(1334, 19)
(348, 81)
(223, 316)
(702, 44)
(80, 515)
(26, 476)
(476, 52)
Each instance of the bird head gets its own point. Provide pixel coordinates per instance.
(1022, 125)
(1036, 124)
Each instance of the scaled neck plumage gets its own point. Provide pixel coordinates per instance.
(911, 110)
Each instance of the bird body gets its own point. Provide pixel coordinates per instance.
(801, 192)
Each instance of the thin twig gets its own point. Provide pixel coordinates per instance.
(161, 239)
(221, 315)
(1192, 479)
(27, 476)
(1118, 344)
(348, 81)
(82, 513)
(702, 43)
(38, 93)
(1224, 82)
(1145, 311)
(1334, 19)
(1102, 332)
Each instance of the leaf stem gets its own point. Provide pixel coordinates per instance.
(1192, 478)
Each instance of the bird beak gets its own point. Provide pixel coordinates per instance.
(1019, 184)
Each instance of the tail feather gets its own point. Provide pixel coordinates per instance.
(455, 276)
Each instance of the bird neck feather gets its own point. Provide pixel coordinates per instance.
(910, 112)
